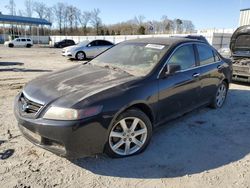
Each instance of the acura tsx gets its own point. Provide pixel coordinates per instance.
(113, 103)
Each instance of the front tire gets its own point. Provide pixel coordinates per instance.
(130, 134)
(80, 56)
(11, 45)
(220, 96)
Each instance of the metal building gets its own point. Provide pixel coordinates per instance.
(244, 17)
(19, 23)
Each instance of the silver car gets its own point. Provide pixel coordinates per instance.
(86, 49)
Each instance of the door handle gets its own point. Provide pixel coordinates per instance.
(195, 75)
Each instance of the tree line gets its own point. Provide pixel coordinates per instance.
(70, 20)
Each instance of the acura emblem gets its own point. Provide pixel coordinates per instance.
(25, 105)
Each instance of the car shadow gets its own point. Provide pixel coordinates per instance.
(11, 63)
(200, 141)
(23, 70)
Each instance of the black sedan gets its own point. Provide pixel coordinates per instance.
(64, 43)
(113, 103)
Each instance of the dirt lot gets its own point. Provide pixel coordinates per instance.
(206, 148)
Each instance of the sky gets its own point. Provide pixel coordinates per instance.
(203, 13)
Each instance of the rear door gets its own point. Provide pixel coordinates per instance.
(179, 93)
(23, 42)
(210, 71)
(104, 45)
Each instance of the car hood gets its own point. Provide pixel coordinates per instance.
(74, 47)
(70, 48)
(70, 86)
(240, 42)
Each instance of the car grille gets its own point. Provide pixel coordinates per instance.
(28, 107)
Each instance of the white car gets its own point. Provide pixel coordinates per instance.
(19, 42)
(86, 49)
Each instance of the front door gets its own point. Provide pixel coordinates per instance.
(179, 92)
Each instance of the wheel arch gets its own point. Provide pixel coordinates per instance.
(79, 52)
(145, 108)
(226, 81)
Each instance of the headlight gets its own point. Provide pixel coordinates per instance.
(58, 113)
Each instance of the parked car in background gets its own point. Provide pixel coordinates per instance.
(112, 103)
(19, 42)
(196, 37)
(86, 49)
(240, 54)
(64, 43)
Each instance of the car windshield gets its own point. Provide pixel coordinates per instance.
(137, 59)
(83, 43)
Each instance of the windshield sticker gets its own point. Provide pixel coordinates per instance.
(155, 46)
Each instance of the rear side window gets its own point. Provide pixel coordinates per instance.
(206, 54)
(28, 40)
(183, 56)
(23, 40)
(104, 43)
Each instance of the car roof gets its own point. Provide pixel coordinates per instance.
(22, 38)
(162, 40)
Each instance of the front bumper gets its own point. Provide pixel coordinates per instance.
(71, 139)
(241, 73)
(67, 54)
(241, 77)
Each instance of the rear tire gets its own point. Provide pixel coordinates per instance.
(11, 45)
(220, 96)
(80, 56)
(130, 134)
(28, 45)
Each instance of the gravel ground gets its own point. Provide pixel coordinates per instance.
(206, 148)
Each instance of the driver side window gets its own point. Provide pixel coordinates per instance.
(183, 56)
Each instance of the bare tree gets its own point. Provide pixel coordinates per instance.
(20, 13)
(178, 25)
(188, 26)
(40, 8)
(59, 9)
(139, 20)
(72, 16)
(65, 19)
(96, 20)
(84, 19)
(168, 25)
(11, 7)
(49, 14)
(29, 7)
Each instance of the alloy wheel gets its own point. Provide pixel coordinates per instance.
(221, 95)
(128, 136)
(80, 55)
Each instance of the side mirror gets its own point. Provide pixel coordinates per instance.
(172, 68)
